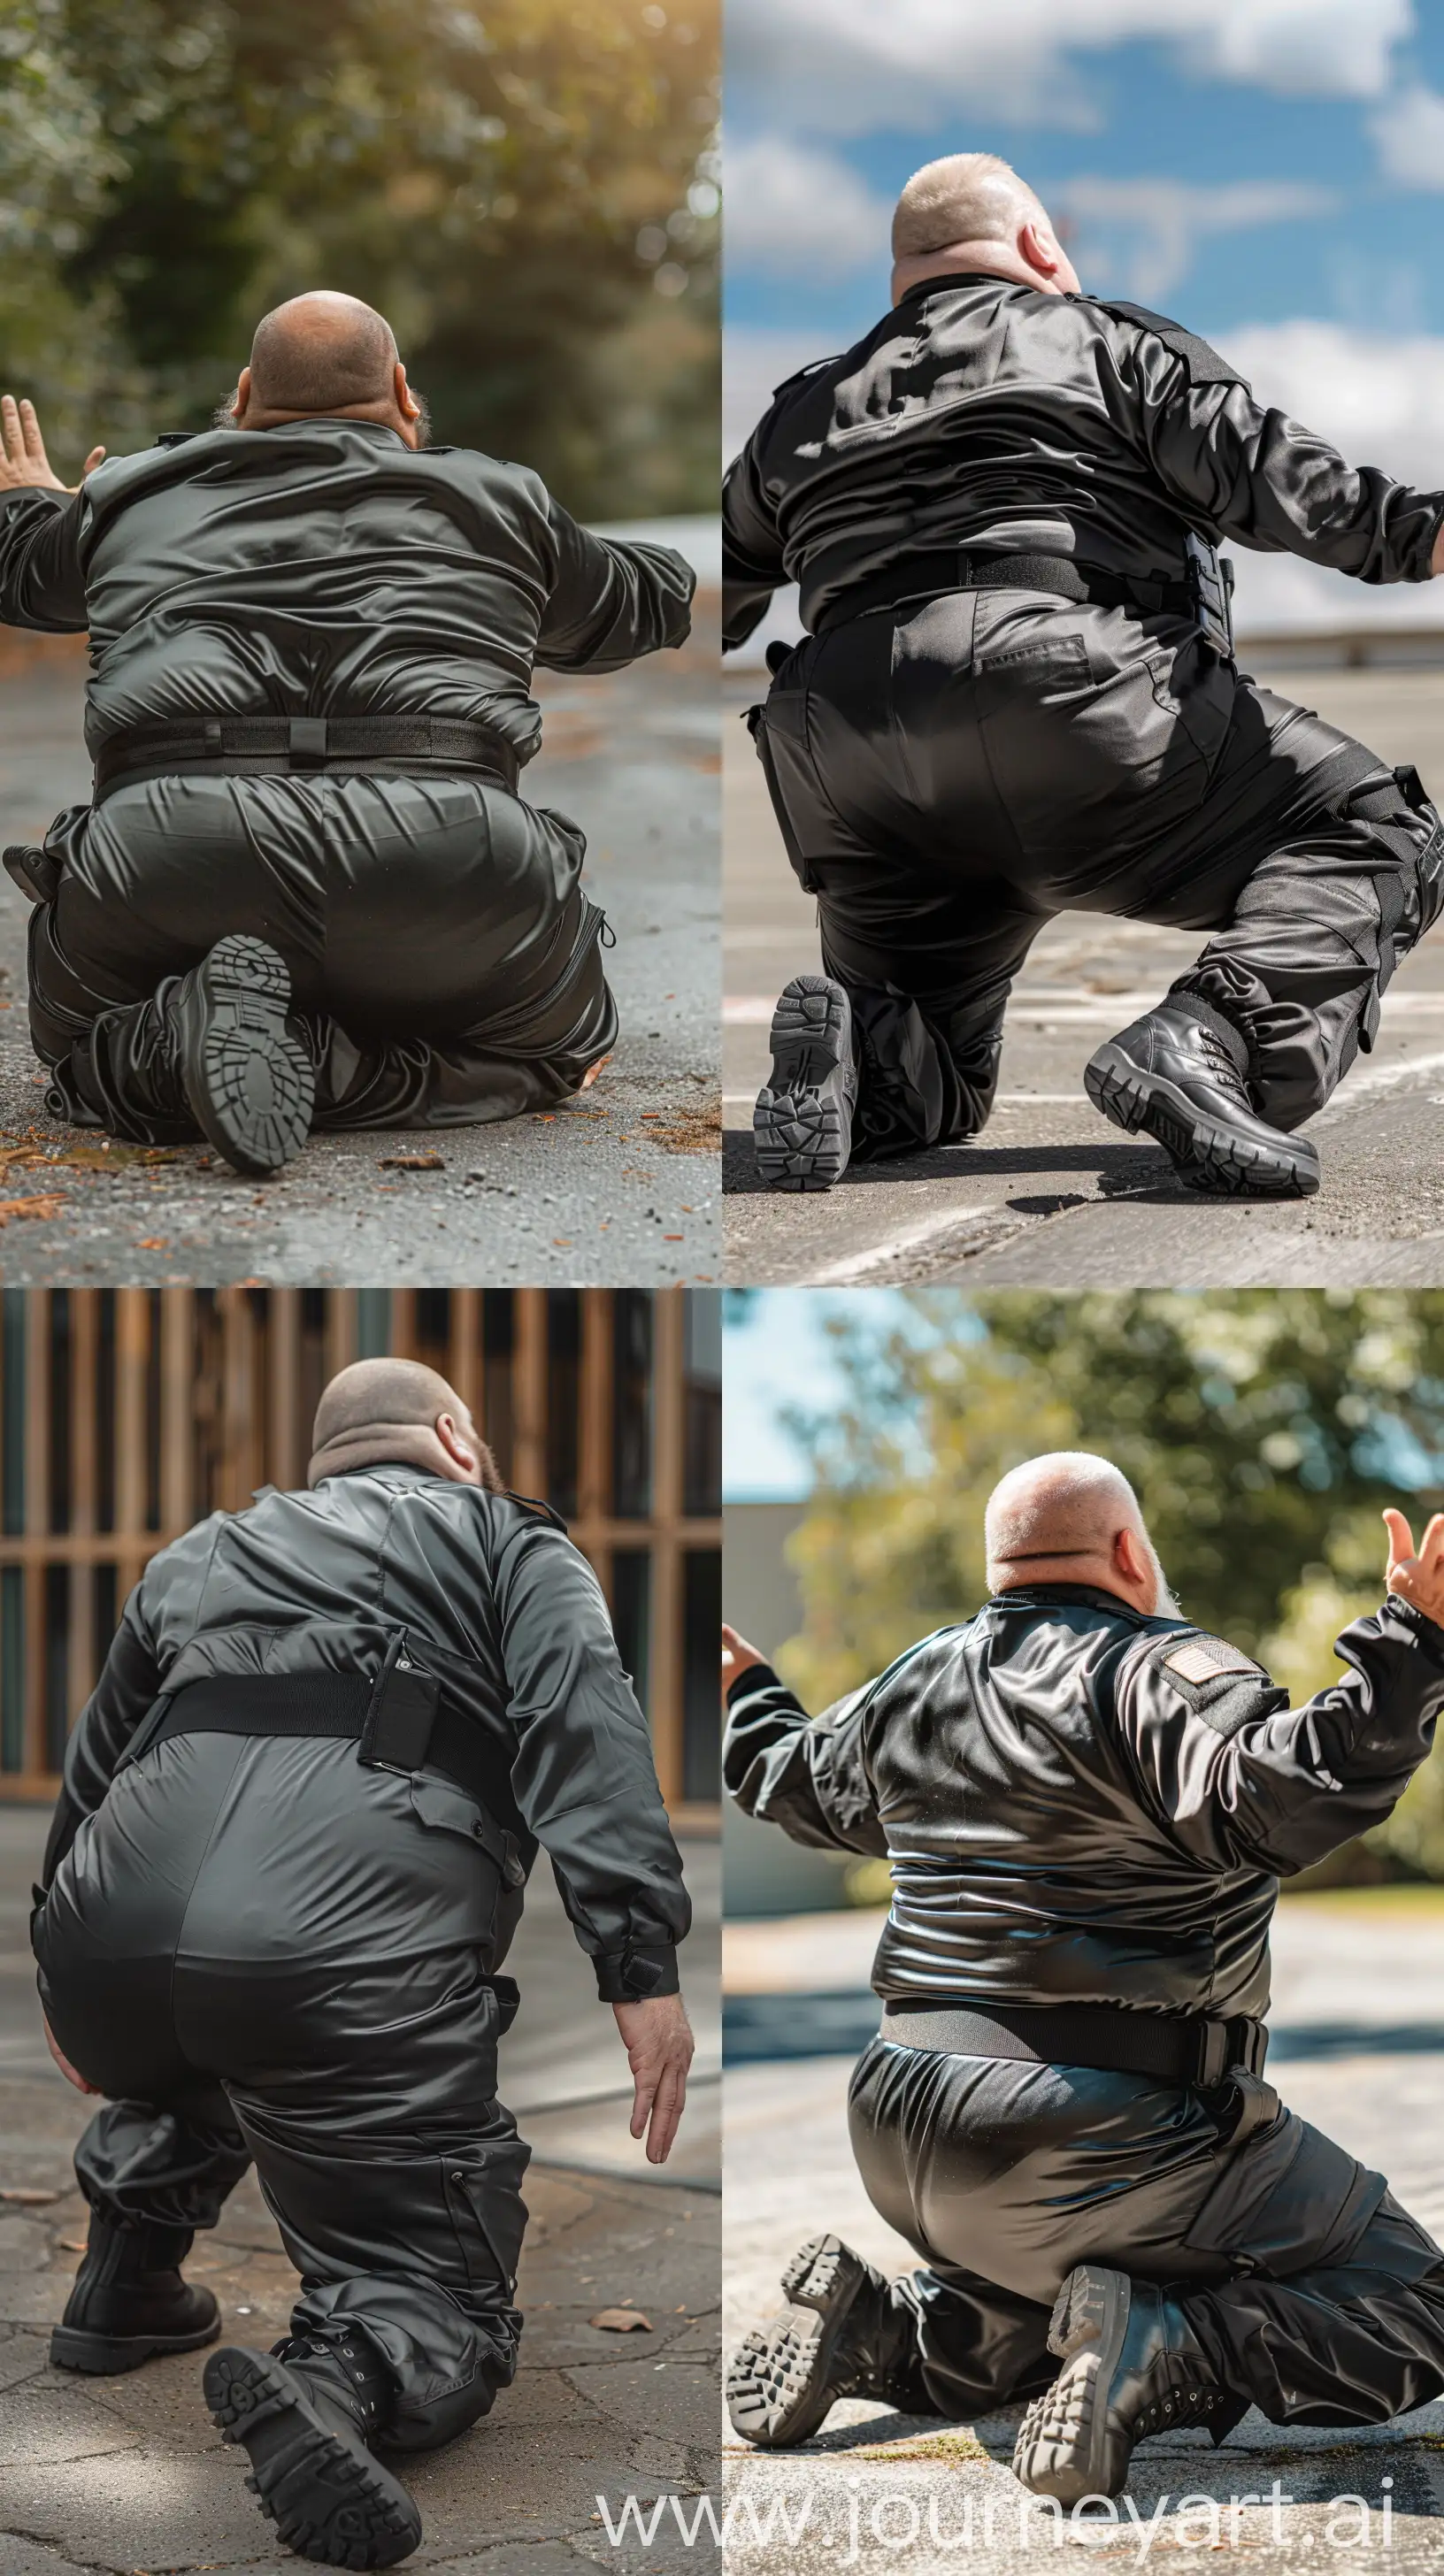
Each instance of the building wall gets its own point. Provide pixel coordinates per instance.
(127, 1414)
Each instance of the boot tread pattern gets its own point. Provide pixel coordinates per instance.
(1062, 2445)
(328, 2499)
(252, 1084)
(1209, 1158)
(797, 1127)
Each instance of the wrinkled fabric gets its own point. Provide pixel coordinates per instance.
(363, 2088)
(953, 775)
(1070, 1814)
(322, 568)
(494, 1601)
(987, 414)
(1314, 2296)
(443, 957)
(432, 924)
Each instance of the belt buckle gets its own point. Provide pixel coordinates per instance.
(307, 741)
(1213, 2059)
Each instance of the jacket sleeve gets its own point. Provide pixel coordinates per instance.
(583, 1778)
(122, 1698)
(807, 1775)
(752, 565)
(611, 600)
(1241, 1780)
(1255, 475)
(40, 577)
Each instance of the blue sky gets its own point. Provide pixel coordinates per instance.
(1270, 171)
(776, 1353)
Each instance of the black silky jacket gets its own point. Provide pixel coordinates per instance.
(1084, 1805)
(497, 1603)
(326, 568)
(991, 415)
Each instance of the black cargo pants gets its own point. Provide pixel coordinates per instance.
(951, 774)
(1314, 2295)
(179, 1970)
(444, 960)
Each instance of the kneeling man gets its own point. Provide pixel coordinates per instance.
(1087, 1805)
(307, 891)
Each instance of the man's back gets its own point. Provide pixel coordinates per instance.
(324, 567)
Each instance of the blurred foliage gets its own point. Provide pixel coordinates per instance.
(527, 188)
(1263, 1432)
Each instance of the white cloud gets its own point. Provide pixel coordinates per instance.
(853, 66)
(796, 211)
(1145, 231)
(1409, 131)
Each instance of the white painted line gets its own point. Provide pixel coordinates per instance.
(1004, 1100)
(1110, 1010)
(1388, 1077)
(910, 1238)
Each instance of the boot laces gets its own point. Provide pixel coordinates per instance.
(1222, 1064)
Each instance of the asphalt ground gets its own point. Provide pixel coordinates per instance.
(1358, 2048)
(1052, 1194)
(127, 2476)
(617, 1187)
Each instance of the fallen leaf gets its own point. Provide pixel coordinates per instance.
(28, 2197)
(410, 1163)
(152, 1243)
(621, 2321)
(73, 2245)
(674, 1238)
(30, 1207)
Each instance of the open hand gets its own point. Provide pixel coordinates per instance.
(737, 1658)
(1417, 1577)
(659, 2044)
(23, 460)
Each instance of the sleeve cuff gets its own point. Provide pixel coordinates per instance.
(757, 1677)
(633, 1976)
(1429, 1631)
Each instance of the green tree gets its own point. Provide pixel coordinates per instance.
(1263, 1432)
(527, 189)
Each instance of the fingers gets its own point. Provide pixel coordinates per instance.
(1401, 1537)
(1431, 1546)
(30, 432)
(644, 2087)
(96, 457)
(667, 2107)
(12, 434)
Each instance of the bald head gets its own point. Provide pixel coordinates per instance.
(1071, 1517)
(971, 211)
(391, 1412)
(324, 357)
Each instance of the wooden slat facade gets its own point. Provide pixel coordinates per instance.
(130, 1413)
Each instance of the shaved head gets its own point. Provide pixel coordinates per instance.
(396, 1412)
(1071, 1517)
(968, 197)
(322, 353)
(971, 211)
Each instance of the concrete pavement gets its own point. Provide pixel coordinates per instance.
(1052, 1192)
(617, 1187)
(1358, 2049)
(127, 2474)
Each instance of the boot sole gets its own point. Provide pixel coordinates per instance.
(1062, 2446)
(72, 2348)
(250, 1084)
(1208, 1156)
(802, 1124)
(328, 2498)
(778, 2391)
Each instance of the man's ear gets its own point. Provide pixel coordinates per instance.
(243, 395)
(457, 1446)
(406, 402)
(1129, 1557)
(1039, 249)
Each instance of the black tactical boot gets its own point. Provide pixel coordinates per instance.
(246, 1074)
(307, 2414)
(129, 2301)
(802, 1124)
(1181, 1077)
(843, 2336)
(1131, 2366)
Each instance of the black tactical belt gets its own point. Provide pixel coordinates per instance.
(394, 1719)
(924, 575)
(290, 746)
(1178, 2048)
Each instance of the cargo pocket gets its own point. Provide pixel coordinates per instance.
(779, 731)
(482, 2187)
(1286, 2199)
(441, 1808)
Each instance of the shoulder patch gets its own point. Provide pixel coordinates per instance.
(1204, 364)
(1203, 1659)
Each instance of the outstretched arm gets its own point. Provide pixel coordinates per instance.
(40, 581)
(1243, 1780)
(611, 600)
(807, 1775)
(752, 565)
